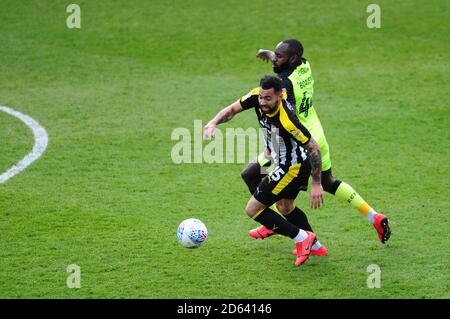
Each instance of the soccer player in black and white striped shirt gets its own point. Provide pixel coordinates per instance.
(297, 156)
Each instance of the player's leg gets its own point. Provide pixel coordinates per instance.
(258, 208)
(346, 193)
(340, 189)
(298, 217)
(269, 192)
(252, 176)
(263, 214)
(293, 213)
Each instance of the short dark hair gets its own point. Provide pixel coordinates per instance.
(294, 47)
(269, 81)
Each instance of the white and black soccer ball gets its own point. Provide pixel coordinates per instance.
(192, 233)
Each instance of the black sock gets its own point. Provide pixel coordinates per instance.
(299, 219)
(274, 221)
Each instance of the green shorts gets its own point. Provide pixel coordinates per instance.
(324, 151)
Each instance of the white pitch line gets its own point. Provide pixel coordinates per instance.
(40, 144)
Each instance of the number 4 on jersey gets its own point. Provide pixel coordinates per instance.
(305, 105)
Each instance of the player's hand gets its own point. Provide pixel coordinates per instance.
(316, 196)
(209, 131)
(265, 55)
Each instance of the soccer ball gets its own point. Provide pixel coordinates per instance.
(192, 233)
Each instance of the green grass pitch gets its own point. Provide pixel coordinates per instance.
(107, 196)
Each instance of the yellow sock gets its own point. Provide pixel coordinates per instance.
(346, 193)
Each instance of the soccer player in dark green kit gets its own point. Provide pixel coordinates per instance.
(294, 70)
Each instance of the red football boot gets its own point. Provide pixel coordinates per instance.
(261, 232)
(381, 224)
(322, 251)
(304, 248)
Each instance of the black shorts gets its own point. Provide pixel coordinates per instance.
(283, 182)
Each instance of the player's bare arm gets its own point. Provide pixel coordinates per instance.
(265, 55)
(225, 115)
(316, 196)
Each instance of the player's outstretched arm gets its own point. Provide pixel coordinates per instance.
(265, 55)
(316, 196)
(223, 116)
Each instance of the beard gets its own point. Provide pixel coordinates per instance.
(282, 68)
(271, 108)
